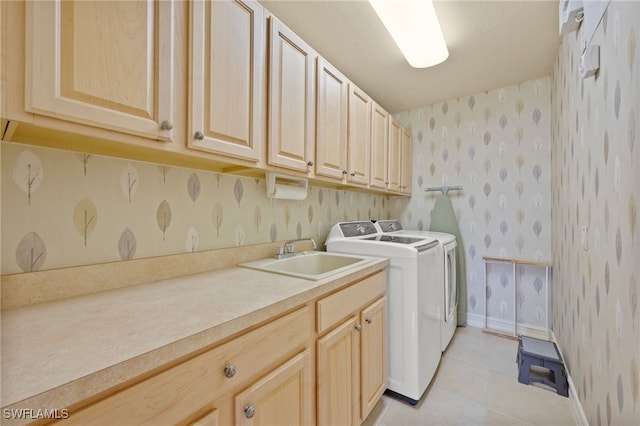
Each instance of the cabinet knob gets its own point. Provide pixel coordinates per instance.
(249, 411)
(368, 320)
(230, 370)
(199, 135)
(353, 174)
(166, 125)
(309, 163)
(344, 172)
(358, 327)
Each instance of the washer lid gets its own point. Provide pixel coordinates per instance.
(398, 239)
(357, 229)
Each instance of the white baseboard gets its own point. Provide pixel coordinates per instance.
(504, 326)
(475, 320)
(576, 407)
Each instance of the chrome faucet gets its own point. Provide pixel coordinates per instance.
(288, 250)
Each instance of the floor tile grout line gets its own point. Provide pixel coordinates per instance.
(479, 365)
(511, 416)
(461, 397)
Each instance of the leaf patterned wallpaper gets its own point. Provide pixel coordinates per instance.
(63, 209)
(497, 145)
(596, 183)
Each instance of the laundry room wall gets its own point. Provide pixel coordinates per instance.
(596, 184)
(497, 145)
(63, 209)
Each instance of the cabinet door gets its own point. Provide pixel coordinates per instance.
(338, 372)
(226, 84)
(406, 165)
(107, 64)
(379, 146)
(359, 136)
(331, 122)
(373, 373)
(291, 114)
(283, 397)
(209, 419)
(395, 154)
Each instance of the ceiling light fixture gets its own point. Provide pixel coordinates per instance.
(414, 26)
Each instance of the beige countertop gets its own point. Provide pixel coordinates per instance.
(57, 353)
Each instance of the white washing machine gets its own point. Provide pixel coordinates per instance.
(448, 295)
(413, 321)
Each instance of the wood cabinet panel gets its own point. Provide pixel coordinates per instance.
(331, 121)
(338, 306)
(283, 397)
(338, 372)
(105, 64)
(291, 114)
(352, 362)
(373, 357)
(359, 136)
(395, 154)
(379, 147)
(227, 72)
(210, 419)
(406, 163)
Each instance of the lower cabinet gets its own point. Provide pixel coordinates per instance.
(351, 366)
(281, 373)
(373, 355)
(282, 397)
(338, 365)
(244, 381)
(209, 419)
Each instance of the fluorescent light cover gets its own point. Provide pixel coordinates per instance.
(414, 27)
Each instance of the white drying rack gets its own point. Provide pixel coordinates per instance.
(515, 262)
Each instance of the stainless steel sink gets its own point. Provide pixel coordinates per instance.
(314, 265)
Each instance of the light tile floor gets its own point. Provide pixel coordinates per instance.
(477, 384)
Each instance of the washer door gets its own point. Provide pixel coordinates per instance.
(450, 290)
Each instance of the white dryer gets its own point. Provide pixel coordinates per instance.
(448, 294)
(413, 322)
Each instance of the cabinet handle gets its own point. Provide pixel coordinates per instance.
(249, 411)
(358, 327)
(230, 370)
(309, 163)
(166, 125)
(199, 135)
(368, 320)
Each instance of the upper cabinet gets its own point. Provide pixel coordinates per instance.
(405, 162)
(359, 136)
(395, 154)
(379, 146)
(103, 64)
(331, 121)
(232, 87)
(291, 112)
(226, 84)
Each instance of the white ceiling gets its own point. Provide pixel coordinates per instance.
(491, 44)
